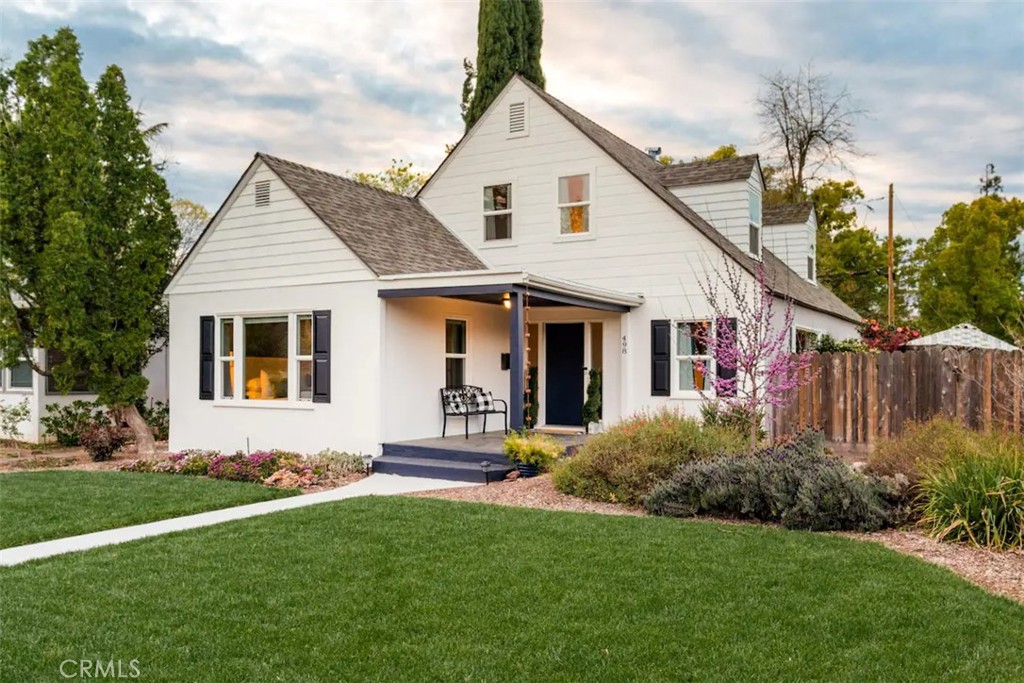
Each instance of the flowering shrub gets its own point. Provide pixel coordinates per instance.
(622, 464)
(67, 423)
(793, 482)
(886, 337)
(283, 469)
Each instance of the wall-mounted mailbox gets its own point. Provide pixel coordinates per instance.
(506, 361)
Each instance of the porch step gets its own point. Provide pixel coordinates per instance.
(437, 468)
(443, 453)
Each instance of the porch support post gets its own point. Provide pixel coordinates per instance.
(516, 364)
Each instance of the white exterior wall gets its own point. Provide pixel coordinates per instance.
(822, 323)
(39, 399)
(248, 247)
(414, 363)
(793, 243)
(261, 261)
(637, 243)
(351, 421)
(726, 206)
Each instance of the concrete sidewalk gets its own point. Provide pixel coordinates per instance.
(374, 485)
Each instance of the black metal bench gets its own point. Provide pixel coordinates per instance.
(466, 401)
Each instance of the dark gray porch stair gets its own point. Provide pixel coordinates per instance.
(453, 464)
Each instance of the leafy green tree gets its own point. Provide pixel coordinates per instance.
(399, 178)
(853, 260)
(88, 232)
(972, 267)
(509, 39)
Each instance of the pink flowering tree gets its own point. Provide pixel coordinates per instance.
(750, 344)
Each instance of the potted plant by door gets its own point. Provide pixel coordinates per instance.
(532, 453)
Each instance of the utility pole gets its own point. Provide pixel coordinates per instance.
(892, 279)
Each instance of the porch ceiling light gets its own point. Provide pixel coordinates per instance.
(506, 301)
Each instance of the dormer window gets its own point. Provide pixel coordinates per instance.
(755, 223)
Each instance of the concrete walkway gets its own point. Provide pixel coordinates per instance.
(374, 485)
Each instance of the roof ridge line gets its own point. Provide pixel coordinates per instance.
(389, 193)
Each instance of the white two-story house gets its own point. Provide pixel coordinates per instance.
(316, 312)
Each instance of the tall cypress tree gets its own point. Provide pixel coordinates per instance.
(509, 38)
(88, 235)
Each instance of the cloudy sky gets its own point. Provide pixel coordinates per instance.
(347, 86)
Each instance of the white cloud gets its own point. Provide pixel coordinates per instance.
(350, 85)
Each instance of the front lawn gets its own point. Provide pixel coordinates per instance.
(401, 589)
(39, 506)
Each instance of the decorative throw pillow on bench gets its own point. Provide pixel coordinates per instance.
(454, 406)
(485, 401)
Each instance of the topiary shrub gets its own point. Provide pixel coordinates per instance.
(101, 441)
(793, 482)
(626, 461)
(67, 423)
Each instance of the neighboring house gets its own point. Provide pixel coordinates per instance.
(964, 336)
(21, 382)
(316, 312)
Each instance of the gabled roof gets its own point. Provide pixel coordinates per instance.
(786, 214)
(390, 233)
(708, 171)
(963, 335)
(781, 278)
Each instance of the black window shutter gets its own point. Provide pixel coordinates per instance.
(661, 358)
(321, 356)
(727, 373)
(206, 357)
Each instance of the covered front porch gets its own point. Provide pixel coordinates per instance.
(530, 341)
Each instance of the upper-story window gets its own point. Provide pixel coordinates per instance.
(755, 223)
(810, 263)
(574, 204)
(498, 212)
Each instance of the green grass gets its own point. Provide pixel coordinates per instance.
(39, 506)
(398, 589)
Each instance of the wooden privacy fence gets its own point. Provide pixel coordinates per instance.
(857, 398)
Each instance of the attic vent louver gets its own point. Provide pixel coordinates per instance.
(517, 118)
(263, 193)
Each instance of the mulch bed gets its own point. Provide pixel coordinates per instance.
(998, 572)
(56, 457)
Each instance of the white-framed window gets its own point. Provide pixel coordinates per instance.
(694, 366)
(456, 351)
(19, 378)
(304, 356)
(755, 223)
(804, 340)
(498, 212)
(755, 207)
(810, 261)
(226, 357)
(574, 204)
(265, 357)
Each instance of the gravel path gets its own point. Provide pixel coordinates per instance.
(999, 572)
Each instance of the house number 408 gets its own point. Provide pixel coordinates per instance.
(625, 345)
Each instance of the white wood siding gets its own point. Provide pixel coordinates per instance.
(793, 244)
(637, 243)
(282, 244)
(725, 205)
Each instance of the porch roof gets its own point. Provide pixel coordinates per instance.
(489, 286)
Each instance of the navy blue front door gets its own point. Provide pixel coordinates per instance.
(563, 388)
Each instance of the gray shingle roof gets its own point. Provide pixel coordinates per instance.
(963, 335)
(390, 233)
(786, 214)
(781, 278)
(704, 172)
